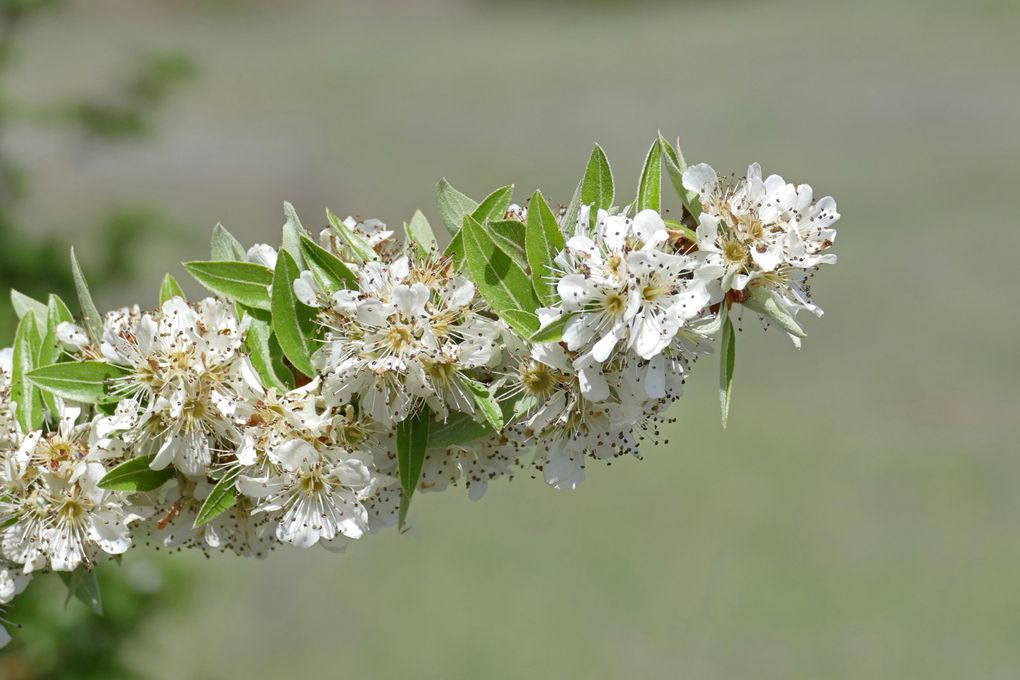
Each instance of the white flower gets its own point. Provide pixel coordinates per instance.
(317, 494)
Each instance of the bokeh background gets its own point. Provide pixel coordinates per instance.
(858, 518)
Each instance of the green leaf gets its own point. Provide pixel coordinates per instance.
(226, 248)
(487, 403)
(553, 332)
(293, 231)
(494, 206)
(459, 428)
(726, 368)
(169, 290)
(453, 206)
(329, 270)
(500, 280)
(649, 195)
(84, 381)
(93, 320)
(525, 323)
(765, 303)
(222, 497)
(23, 304)
(675, 167)
(419, 233)
(292, 319)
(265, 352)
(29, 409)
(412, 440)
(83, 584)
(136, 475)
(356, 243)
(597, 184)
(49, 351)
(509, 236)
(543, 240)
(244, 282)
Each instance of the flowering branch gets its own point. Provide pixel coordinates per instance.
(332, 378)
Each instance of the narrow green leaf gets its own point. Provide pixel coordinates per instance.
(244, 282)
(225, 248)
(501, 281)
(487, 403)
(136, 475)
(222, 497)
(23, 304)
(93, 320)
(649, 195)
(453, 206)
(84, 381)
(412, 441)
(459, 428)
(543, 240)
(292, 320)
(494, 206)
(525, 323)
(509, 236)
(83, 584)
(419, 233)
(553, 332)
(356, 243)
(675, 167)
(49, 351)
(329, 270)
(293, 231)
(265, 352)
(597, 185)
(169, 290)
(29, 409)
(726, 368)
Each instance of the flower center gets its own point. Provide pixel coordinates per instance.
(398, 337)
(614, 304)
(538, 379)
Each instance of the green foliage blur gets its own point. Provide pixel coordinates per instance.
(56, 637)
(36, 264)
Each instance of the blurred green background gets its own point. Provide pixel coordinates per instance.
(858, 519)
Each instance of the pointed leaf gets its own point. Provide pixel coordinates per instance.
(89, 382)
(169, 290)
(543, 240)
(226, 248)
(265, 352)
(675, 167)
(136, 475)
(49, 351)
(29, 409)
(412, 440)
(459, 428)
(597, 185)
(23, 305)
(649, 196)
(292, 320)
(354, 241)
(765, 303)
(494, 206)
(487, 403)
(93, 320)
(293, 231)
(244, 282)
(419, 233)
(727, 358)
(502, 282)
(222, 497)
(453, 206)
(329, 270)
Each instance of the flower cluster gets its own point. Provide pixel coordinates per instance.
(332, 378)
